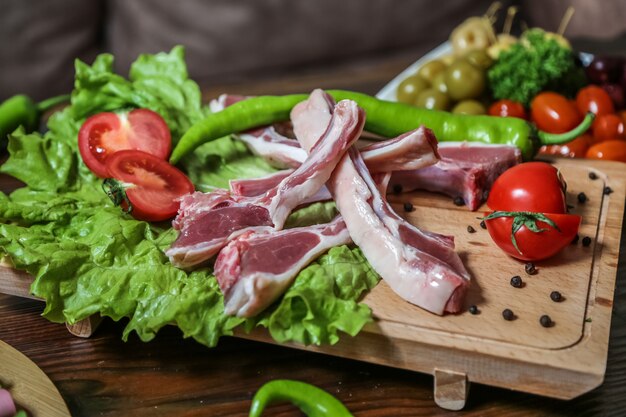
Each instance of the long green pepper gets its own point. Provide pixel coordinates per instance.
(313, 401)
(385, 118)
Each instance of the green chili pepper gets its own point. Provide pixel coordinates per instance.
(313, 401)
(384, 118)
(20, 110)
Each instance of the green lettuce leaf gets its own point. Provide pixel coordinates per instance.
(89, 257)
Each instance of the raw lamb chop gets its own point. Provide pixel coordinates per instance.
(254, 269)
(466, 170)
(420, 267)
(208, 222)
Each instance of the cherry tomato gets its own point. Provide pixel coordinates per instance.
(607, 126)
(574, 149)
(553, 113)
(594, 99)
(534, 246)
(622, 115)
(612, 150)
(532, 186)
(508, 108)
(105, 133)
(155, 184)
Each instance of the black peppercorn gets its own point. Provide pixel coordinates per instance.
(582, 198)
(473, 309)
(483, 224)
(470, 229)
(508, 315)
(546, 321)
(575, 240)
(530, 268)
(586, 241)
(397, 188)
(458, 201)
(408, 207)
(517, 282)
(593, 176)
(607, 190)
(556, 296)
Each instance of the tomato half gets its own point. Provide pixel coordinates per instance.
(155, 185)
(553, 113)
(106, 133)
(534, 246)
(594, 99)
(610, 150)
(608, 126)
(531, 186)
(508, 108)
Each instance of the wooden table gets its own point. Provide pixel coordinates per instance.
(103, 376)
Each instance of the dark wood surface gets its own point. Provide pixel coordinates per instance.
(170, 376)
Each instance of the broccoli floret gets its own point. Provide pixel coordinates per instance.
(537, 63)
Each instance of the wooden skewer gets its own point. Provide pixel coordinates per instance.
(508, 23)
(567, 17)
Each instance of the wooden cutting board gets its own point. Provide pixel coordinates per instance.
(30, 388)
(562, 361)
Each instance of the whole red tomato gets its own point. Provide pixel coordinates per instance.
(574, 149)
(607, 126)
(611, 150)
(553, 113)
(594, 99)
(508, 108)
(534, 246)
(531, 186)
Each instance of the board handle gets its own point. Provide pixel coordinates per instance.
(85, 327)
(451, 389)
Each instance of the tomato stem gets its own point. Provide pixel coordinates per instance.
(117, 193)
(523, 218)
(557, 138)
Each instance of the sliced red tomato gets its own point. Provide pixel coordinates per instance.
(106, 133)
(534, 246)
(152, 185)
(531, 186)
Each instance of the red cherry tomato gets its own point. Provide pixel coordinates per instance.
(534, 246)
(508, 108)
(156, 185)
(574, 149)
(532, 186)
(611, 150)
(607, 126)
(106, 133)
(553, 113)
(594, 99)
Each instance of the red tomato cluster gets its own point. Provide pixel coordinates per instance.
(133, 148)
(532, 194)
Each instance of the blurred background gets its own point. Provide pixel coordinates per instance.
(231, 41)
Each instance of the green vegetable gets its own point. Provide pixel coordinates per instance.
(537, 63)
(313, 401)
(89, 257)
(20, 110)
(384, 118)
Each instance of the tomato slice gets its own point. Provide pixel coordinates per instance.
(106, 133)
(534, 246)
(532, 186)
(152, 185)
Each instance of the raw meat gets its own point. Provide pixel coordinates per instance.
(419, 267)
(254, 269)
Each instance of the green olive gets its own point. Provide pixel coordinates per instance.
(432, 99)
(479, 58)
(409, 89)
(431, 69)
(464, 80)
(439, 83)
(469, 107)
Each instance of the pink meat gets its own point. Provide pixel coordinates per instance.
(466, 170)
(254, 269)
(208, 221)
(420, 267)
